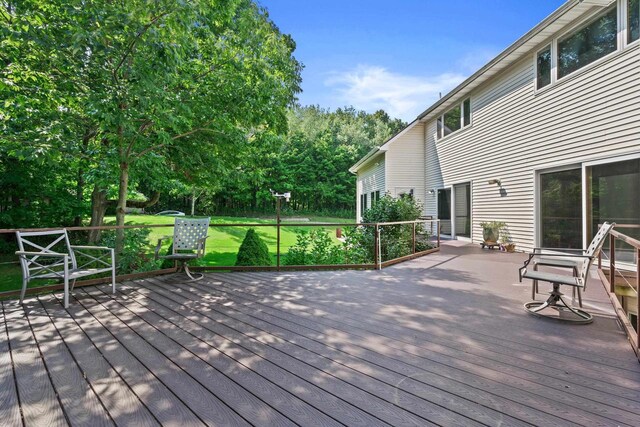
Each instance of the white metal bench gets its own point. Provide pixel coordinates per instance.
(50, 255)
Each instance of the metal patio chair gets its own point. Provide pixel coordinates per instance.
(189, 237)
(580, 265)
(549, 257)
(50, 255)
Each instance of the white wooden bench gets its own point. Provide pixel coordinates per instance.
(50, 255)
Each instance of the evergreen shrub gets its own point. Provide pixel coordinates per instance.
(253, 251)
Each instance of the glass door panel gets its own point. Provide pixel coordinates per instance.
(561, 209)
(614, 196)
(462, 211)
(444, 210)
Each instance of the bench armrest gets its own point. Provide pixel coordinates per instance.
(159, 246)
(102, 248)
(41, 254)
(539, 250)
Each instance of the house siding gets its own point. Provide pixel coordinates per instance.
(516, 132)
(405, 164)
(370, 178)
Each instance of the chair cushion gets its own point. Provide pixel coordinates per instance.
(562, 279)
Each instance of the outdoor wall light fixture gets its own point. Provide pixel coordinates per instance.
(495, 181)
(432, 191)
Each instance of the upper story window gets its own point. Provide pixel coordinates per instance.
(633, 20)
(454, 119)
(594, 39)
(543, 67)
(590, 42)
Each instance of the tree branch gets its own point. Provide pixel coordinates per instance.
(133, 42)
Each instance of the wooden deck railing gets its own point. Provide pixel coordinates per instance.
(620, 283)
(379, 261)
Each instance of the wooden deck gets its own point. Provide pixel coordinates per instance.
(441, 340)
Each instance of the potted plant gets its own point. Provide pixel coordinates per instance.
(506, 242)
(491, 231)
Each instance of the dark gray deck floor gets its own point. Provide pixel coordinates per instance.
(441, 340)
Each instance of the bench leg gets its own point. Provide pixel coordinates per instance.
(66, 291)
(113, 272)
(24, 289)
(534, 285)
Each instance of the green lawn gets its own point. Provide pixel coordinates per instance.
(221, 247)
(223, 242)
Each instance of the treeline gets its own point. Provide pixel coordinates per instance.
(311, 161)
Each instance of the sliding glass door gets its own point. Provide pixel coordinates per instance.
(561, 209)
(462, 209)
(613, 191)
(444, 210)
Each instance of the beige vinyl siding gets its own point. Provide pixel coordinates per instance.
(405, 164)
(592, 114)
(370, 178)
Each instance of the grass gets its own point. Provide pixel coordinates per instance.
(223, 242)
(221, 246)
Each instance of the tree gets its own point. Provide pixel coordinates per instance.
(150, 84)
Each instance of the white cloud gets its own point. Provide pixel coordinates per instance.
(371, 88)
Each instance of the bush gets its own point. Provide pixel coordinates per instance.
(314, 247)
(136, 255)
(253, 250)
(395, 240)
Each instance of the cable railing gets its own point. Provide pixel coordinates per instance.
(292, 246)
(622, 279)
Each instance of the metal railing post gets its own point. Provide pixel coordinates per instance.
(612, 264)
(278, 233)
(638, 299)
(414, 238)
(438, 227)
(375, 245)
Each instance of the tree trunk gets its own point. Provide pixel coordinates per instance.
(98, 209)
(193, 202)
(122, 205)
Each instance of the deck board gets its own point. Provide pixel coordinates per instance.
(440, 340)
(584, 398)
(123, 405)
(9, 403)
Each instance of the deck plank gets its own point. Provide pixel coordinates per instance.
(203, 403)
(230, 360)
(483, 395)
(432, 403)
(477, 352)
(78, 399)
(9, 402)
(252, 409)
(380, 306)
(584, 398)
(38, 399)
(161, 401)
(441, 340)
(123, 405)
(332, 393)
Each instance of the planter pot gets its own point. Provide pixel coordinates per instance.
(509, 247)
(490, 235)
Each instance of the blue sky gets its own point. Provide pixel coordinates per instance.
(397, 54)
